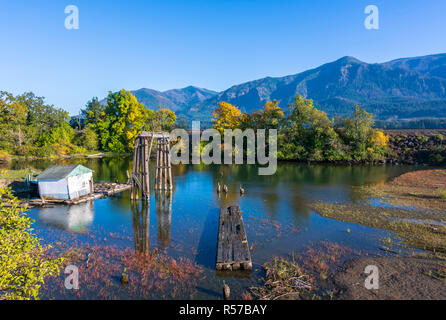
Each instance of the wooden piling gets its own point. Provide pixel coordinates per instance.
(141, 171)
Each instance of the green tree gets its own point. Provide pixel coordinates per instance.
(12, 121)
(62, 134)
(24, 119)
(124, 119)
(308, 134)
(94, 111)
(163, 120)
(90, 139)
(23, 263)
(358, 132)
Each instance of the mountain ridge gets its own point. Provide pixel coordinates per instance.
(402, 88)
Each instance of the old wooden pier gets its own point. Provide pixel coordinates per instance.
(140, 174)
(232, 248)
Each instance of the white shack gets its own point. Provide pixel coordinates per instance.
(65, 182)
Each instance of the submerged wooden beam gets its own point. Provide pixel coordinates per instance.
(232, 248)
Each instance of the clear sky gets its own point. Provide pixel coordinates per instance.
(213, 44)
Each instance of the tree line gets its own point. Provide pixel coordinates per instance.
(307, 134)
(30, 127)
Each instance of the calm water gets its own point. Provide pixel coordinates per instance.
(185, 225)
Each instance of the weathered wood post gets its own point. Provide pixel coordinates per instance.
(140, 178)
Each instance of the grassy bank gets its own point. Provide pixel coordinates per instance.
(92, 154)
(17, 174)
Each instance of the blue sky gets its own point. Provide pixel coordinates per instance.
(212, 44)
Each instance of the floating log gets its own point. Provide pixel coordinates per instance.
(109, 189)
(232, 248)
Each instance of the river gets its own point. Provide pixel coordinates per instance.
(185, 225)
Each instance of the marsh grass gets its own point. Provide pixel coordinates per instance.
(17, 174)
(441, 193)
(415, 234)
(425, 190)
(302, 276)
(152, 275)
(284, 278)
(439, 274)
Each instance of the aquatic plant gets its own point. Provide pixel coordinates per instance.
(150, 275)
(284, 278)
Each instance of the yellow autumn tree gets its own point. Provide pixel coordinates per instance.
(226, 116)
(379, 139)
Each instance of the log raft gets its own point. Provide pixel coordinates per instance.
(232, 248)
(109, 189)
(101, 190)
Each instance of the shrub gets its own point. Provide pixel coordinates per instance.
(4, 156)
(79, 150)
(23, 264)
(442, 193)
(436, 158)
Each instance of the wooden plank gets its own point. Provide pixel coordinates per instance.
(232, 247)
(156, 135)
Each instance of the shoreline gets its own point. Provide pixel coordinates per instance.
(99, 155)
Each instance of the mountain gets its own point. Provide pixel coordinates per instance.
(434, 65)
(178, 100)
(399, 89)
(404, 88)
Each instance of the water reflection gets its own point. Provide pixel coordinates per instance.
(164, 217)
(141, 222)
(141, 225)
(71, 218)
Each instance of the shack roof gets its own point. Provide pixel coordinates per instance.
(62, 172)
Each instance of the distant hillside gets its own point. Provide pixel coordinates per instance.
(404, 88)
(178, 100)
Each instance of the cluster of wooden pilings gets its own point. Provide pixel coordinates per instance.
(140, 174)
(163, 175)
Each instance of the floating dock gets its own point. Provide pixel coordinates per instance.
(232, 248)
(101, 190)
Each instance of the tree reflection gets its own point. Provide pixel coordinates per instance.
(164, 217)
(141, 225)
